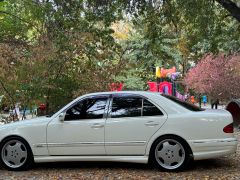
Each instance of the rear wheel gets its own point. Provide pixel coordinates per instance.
(170, 153)
(15, 154)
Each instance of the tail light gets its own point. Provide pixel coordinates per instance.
(228, 128)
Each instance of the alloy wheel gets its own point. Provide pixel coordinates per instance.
(14, 154)
(170, 154)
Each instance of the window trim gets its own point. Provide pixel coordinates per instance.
(87, 97)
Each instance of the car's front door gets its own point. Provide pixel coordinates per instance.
(82, 131)
(131, 122)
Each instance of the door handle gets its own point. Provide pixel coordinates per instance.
(151, 123)
(97, 126)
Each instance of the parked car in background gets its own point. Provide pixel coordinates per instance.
(129, 126)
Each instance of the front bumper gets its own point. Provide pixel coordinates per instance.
(213, 148)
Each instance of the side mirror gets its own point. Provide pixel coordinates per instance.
(61, 117)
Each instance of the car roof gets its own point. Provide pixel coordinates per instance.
(125, 92)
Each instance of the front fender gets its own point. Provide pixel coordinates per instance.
(34, 132)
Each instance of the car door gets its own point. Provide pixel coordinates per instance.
(132, 120)
(82, 131)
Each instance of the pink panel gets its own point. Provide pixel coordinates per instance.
(152, 86)
(164, 84)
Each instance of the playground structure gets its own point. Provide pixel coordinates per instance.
(116, 86)
(162, 85)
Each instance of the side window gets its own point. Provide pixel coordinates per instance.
(90, 108)
(126, 107)
(149, 109)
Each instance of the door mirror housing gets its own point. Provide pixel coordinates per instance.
(61, 117)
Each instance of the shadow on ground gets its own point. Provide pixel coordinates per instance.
(226, 168)
(196, 165)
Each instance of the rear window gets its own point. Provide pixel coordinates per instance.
(184, 104)
(149, 109)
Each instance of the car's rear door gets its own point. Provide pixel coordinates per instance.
(132, 120)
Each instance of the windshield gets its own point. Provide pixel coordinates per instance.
(184, 104)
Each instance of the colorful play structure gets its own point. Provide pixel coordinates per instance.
(116, 86)
(166, 83)
(163, 85)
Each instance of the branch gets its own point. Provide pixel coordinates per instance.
(29, 23)
(7, 92)
(4, 12)
(231, 7)
(15, 42)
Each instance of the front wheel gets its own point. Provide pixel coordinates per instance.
(15, 154)
(170, 153)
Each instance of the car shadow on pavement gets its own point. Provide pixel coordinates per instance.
(93, 165)
(202, 165)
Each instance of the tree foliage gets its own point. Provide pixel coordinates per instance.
(53, 51)
(216, 75)
(57, 50)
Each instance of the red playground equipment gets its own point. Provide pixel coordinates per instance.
(152, 86)
(162, 85)
(116, 86)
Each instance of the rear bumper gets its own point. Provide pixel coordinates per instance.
(213, 148)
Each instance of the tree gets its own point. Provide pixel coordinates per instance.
(216, 75)
(67, 49)
(53, 49)
(231, 7)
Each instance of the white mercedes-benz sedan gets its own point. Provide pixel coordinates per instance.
(129, 126)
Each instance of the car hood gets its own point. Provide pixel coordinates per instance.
(28, 122)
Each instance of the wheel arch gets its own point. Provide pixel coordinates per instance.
(16, 136)
(150, 149)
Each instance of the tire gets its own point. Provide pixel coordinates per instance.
(170, 153)
(15, 154)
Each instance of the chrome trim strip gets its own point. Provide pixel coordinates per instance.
(40, 145)
(127, 143)
(77, 144)
(214, 141)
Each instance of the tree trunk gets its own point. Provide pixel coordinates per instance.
(8, 93)
(231, 7)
